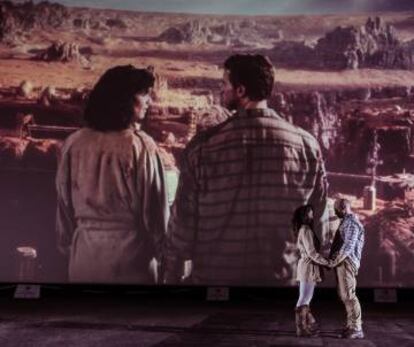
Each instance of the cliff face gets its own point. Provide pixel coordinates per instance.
(373, 45)
(346, 121)
(314, 111)
(389, 245)
(17, 20)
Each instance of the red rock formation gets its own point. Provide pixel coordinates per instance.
(63, 52)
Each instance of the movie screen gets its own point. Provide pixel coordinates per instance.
(140, 142)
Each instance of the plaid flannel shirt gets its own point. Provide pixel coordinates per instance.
(239, 185)
(349, 240)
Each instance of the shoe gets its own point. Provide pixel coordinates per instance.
(311, 321)
(302, 327)
(353, 334)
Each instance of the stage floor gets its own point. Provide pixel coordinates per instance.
(138, 320)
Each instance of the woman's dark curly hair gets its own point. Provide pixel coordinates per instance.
(110, 106)
(254, 72)
(300, 218)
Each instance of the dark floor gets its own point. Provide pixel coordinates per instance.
(165, 321)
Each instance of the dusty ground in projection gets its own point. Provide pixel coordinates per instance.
(352, 87)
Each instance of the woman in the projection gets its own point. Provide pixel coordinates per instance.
(309, 270)
(112, 203)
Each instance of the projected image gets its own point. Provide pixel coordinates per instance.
(139, 145)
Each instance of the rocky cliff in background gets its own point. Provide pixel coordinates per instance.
(18, 20)
(344, 121)
(376, 44)
(373, 45)
(230, 33)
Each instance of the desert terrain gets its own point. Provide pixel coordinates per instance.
(349, 80)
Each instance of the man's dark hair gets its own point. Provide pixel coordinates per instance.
(342, 204)
(111, 103)
(254, 72)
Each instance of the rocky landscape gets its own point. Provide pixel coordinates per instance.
(347, 80)
(375, 44)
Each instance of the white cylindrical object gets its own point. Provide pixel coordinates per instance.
(370, 197)
(27, 264)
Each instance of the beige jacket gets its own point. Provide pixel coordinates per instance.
(112, 208)
(309, 269)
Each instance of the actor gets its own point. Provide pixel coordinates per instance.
(309, 270)
(240, 182)
(345, 257)
(112, 204)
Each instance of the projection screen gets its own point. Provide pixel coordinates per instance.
(344, 73)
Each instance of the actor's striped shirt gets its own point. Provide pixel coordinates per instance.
(239, 185)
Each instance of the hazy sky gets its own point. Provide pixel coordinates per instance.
(248, 6)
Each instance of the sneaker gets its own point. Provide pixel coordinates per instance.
(353, 334)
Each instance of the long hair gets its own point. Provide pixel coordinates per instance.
(110, 106)
(300, 218)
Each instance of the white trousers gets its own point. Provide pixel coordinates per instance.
(306, 290)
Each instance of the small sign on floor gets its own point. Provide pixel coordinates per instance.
(385, 295)
(218, 294)
(27, 291)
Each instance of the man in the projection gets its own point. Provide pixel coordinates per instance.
(345, 255)
(239, 185)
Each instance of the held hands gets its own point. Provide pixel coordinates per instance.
(330, 264)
